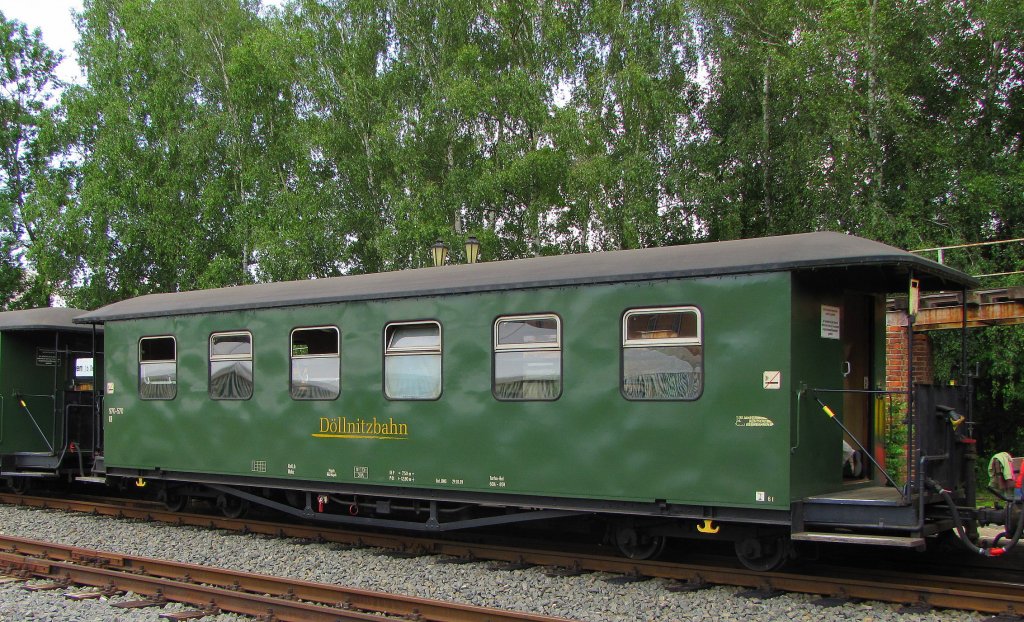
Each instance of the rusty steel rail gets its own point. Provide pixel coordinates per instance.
(894, 587)
(219, 590)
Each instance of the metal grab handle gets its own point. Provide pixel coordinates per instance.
(867, 454)
(21, 401)
(847, 368)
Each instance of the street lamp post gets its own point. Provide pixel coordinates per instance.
(472, 249)
(439, 252)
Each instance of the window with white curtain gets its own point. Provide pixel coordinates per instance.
(231, 366)
(662, 354)
(158, 368)
(412, 361)
(528, 357)
(316, 363)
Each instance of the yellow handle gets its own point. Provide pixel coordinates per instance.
(708, 526)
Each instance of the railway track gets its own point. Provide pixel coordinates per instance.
(214, 590)
(835, 584)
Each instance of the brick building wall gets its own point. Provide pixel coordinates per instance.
(896, 359)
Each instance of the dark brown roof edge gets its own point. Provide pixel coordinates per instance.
(42, 318)
(802, 252)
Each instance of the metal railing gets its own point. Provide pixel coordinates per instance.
(893, 449)
(940, 252)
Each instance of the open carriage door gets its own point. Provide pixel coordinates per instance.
(857, 325)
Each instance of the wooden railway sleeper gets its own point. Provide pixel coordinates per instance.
(838, 598)
(765, 591)
(107, 591)
(695, 584)
(519, 563)
(921, 606)
(86, 595)
(210, 609)
(575, 570)
(156, 600)
(110, 589)
(632, 576)
(95, 561)
(59, 583)
(1010, 615)
(21, 573)
(269, 616)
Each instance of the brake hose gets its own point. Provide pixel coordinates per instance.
(994, 551)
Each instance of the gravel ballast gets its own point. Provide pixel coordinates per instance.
(586, 597)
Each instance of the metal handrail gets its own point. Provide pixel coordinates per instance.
(33, 419)
(87, 409)
(940, 254)
(970, 245)
(911, 475)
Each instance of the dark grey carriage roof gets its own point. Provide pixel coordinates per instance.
(43, 318)
(874, 266)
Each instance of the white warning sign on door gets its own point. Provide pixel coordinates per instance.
(772, 380)
(829, 322)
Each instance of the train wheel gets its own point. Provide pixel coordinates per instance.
(638, 544)
(20, 485)
(764, 554)
(232, 506)
(174, 501)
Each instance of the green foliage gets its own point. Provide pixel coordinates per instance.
(895, 437)
(994, 354)
(27, 81)
(219, 142)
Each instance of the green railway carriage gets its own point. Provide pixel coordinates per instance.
(48, 425)
(671, 389)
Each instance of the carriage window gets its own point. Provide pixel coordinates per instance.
(527, 358)
(662, 354)
(412, 361)
(231, 366)
(158, 368)
(316, 363)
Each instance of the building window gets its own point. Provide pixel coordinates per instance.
(412, 361)
(662, 354)
(158, 368)
(231, 366)
(316, 363)
(528, 357)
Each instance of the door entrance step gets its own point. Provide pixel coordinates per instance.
(91, 480)
(27, 474)
(906, 542)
